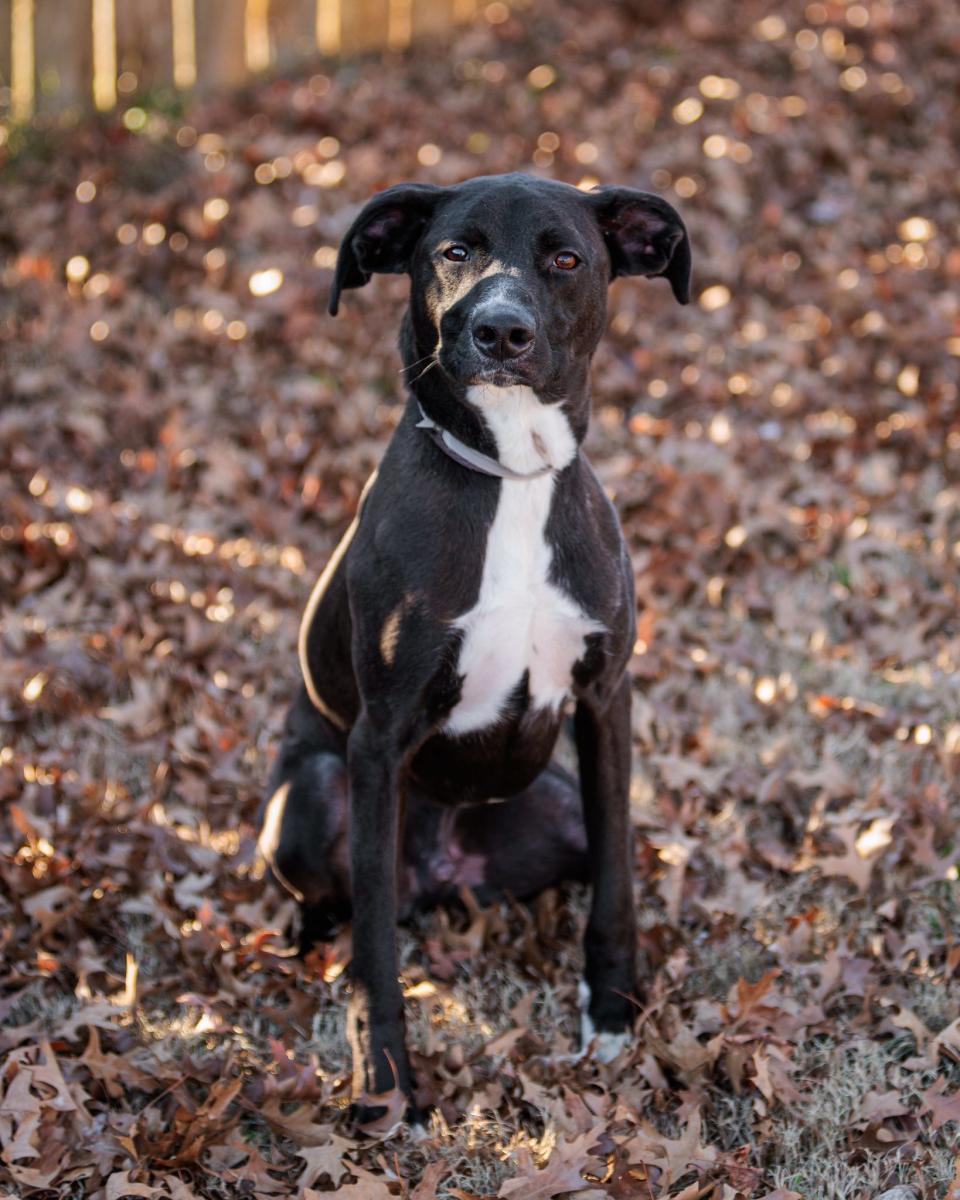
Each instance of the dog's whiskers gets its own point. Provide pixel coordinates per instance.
(410, 366)
(429, 367)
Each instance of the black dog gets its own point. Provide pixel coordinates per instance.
(484, 580)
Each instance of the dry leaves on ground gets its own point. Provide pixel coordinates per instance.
(184, 435)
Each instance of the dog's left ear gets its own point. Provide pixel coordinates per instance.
(383, 237)
(644, 236)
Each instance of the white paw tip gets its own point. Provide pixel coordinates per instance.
(610, 1045)
(606, 1045)
(418, 1131)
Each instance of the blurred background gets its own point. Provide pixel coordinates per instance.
(184, 433)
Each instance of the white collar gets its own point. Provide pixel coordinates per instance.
(466, 456)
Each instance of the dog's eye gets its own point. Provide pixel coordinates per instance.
(456, 253)
(566, 260)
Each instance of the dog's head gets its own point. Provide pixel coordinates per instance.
(509, 273)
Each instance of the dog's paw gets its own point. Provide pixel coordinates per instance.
(607, 1044)
(418, 1125)
(380, 1114)
(387, 1114)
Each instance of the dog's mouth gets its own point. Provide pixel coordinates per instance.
(501, 375)
(467, 369)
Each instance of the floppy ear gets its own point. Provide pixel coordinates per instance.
(383, 237)
(644, 236)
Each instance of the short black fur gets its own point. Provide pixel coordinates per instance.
(380, 647)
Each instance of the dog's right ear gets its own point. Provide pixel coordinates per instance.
(383, 237)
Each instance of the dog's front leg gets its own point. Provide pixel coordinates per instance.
(603, 749)
(375, 1016)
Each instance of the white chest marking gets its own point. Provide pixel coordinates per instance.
(521, 621)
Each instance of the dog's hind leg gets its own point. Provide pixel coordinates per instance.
(303, 823)
(531, 841)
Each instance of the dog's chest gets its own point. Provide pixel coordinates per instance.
(522, 623)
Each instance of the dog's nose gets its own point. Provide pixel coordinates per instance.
(503, 332)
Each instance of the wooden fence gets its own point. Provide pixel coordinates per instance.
(62, 55)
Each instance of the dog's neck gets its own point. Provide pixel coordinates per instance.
(483, 464)
(496, 430)
(432, 394)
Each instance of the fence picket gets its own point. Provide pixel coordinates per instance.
(23, 68)
(365, 25)
(145, 43)
(431, 17)
(292, 31)
(221, 54)
(5, 19)
(183, 38)
(62, 39)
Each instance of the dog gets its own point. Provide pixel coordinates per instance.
(483, 588)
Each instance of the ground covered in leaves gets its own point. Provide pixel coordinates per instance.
(183, 437)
